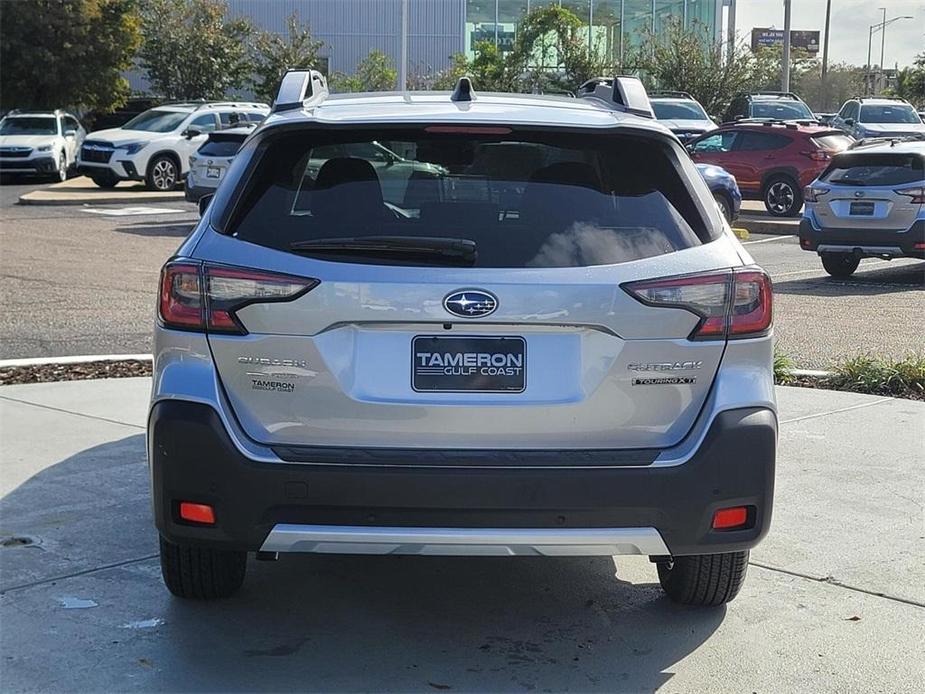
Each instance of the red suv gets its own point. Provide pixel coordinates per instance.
(771, 160)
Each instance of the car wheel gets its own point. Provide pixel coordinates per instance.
(704, 579)
(163, 174)
(61, 173)
(201, 573)
(783, 197)
(104, 180)
(840, 264)
(725, 207)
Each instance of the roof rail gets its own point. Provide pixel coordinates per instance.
(625, 94)
(668, 94)
(882, 98)
(789, 95)
(300, 88)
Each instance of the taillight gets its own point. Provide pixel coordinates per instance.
(730, 304)
(917, 194)
(205, 297)
(813, 193)
(818, 155)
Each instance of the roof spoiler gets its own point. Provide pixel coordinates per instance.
(300, 89)
(625, 94)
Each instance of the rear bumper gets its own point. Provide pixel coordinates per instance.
(336, 506)
(192, 193)
(864, 242)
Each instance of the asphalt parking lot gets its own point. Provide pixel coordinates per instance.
(834, 600)
(83, 280)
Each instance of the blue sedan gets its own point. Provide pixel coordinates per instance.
(724, 188)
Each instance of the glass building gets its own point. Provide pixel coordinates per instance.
(612, 26)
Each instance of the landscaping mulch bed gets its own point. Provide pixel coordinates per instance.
(44, 373)
(822, 383)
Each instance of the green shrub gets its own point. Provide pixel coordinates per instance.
(783, 366)
(881, 376)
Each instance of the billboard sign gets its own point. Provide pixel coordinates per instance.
(804, 40)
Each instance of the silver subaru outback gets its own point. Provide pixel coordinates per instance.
(540, 339)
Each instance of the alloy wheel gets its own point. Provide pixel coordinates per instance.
(164, 174)
(62, 168)
(780, 197)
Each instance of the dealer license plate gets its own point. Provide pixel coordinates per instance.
(468, 364)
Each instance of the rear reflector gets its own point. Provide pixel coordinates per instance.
(197, 513)
(919, 246)
(729, 304)
(728, 518)
(200, 297)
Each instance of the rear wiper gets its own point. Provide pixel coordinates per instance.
(422, 247)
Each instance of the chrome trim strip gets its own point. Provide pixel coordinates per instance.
(346, 539)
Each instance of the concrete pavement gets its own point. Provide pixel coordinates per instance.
(82, 191)
(833, 602)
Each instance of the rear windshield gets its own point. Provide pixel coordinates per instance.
(875, 170)
(221, 148)
(524, 199)
(835, 142)
(783, 110)
(678, 110)
(900, 113)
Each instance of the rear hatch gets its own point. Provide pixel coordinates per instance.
(210, 163)
(445, 301)
(868, 190)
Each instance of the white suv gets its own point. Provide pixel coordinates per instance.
(155, 146)
(40, 142)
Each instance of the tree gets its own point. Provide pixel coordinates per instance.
(686, 59)
(84, 48)
(191, 51)
(375, 73)
(274, 54)
(910, 84)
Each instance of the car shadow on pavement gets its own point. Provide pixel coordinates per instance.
(179, 230)
(886, 280)
(314, 622)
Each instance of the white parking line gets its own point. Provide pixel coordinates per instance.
(776, 238)
(130, 211)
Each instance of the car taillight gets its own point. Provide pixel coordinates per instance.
(818, 155)
(205, 297)
(812, 193)
(917, 194)
(733, 304)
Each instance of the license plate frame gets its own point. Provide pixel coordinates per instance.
(214, 172)
(439, 364)
(861, 208)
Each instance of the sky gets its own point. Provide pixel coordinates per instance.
(850, 23)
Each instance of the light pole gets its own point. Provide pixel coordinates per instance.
(785, 61)
(879, 26)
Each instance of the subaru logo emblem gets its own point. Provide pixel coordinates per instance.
(859, 193)
(470, 303)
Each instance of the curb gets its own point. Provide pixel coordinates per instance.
(810, 373)
(769, 226)
(80, 359)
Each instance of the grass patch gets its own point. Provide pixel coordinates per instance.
(901, 378)
(783, 368)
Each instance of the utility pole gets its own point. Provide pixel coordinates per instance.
(785, 62)
(882, 46)
(825, 55)
(731, 32)
(403, 61)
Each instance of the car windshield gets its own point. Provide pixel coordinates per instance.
(156, 121)
(781, 110)
(522, 199)
(678, 110)
(875, 170)
(23, 125)
(898, 113)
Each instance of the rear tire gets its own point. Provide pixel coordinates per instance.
(725, 206)
(201, 573)
(782, 197)
(104, 180)
(840, 264)
(706, 580)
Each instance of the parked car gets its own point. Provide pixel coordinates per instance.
(771, 161)
(868, 203)
(769, 105)
(40, 142)
(155, 146)
(825, 118)
(724, 188)
(575, 372)
(882, 116)
(207, 166)
(682, 114)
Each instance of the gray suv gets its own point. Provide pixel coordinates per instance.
(560, 351)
